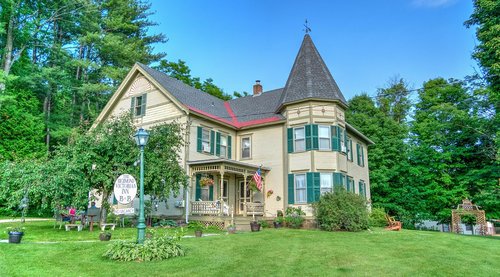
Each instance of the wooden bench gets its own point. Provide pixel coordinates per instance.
(69, 226)
(393, 224)
(112, 225)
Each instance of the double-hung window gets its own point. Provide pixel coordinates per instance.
(246, 148)
(138, 105)
(324, 137)
(205, 140)
(300, 188)
(326, 182)
(360, 154)
(349, 149)
(342, 137)
(299, 139)
(223, 146)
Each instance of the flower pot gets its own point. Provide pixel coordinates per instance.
(254, 226)
(198, 233)
(277, 225)
(104, 236)
(15, 237)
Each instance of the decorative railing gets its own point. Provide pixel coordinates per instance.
(254, 209)
(205, 208)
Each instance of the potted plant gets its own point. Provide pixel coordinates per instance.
(197, 227)
(278, 222)
(15, 234)
(206, 181)
(255, 226)
(105, 236)
(231, 229)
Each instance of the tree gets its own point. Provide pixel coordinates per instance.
(449, 154)
(180, 71)
(393, 101)
(388, 156)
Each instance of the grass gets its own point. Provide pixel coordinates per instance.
(282, 252)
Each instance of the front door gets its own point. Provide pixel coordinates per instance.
(242, 196)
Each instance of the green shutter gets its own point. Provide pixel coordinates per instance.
(335, 138)
(212, 142)
(290, 140)
(362, 156)
(350, 151)
(310, 189)
(199, 145)
(198, 187)
(344, 131)
(316, 186)
(315, 139)
(229, 143)
(132, 106)
(211, 192)
(357, 154)
(143, 104)
(308, 137)
(217, 144)
(337, 180)
(291, 189)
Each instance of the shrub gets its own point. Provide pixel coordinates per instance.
(341, 210)
(156, 248)
(264, 224)
(377, 218)
(294, 217)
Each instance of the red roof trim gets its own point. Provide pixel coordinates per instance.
(234, 121)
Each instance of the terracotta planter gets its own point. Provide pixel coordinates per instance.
(15, 237)
(254, 226)
(198, 233)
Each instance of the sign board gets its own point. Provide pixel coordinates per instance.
(124, 211)
(125, 189)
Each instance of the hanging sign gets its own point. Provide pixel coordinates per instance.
(125, 189)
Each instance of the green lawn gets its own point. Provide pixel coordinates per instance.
(270, 252)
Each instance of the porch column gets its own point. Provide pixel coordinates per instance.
(221, 211)
(245, 175)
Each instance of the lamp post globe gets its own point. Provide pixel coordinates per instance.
(141, 139)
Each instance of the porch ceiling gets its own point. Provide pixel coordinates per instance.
(224, 166)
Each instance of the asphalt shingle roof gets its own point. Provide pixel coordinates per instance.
(310, 78)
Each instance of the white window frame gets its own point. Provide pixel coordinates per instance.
(205, 143)
(349, 153)
(296, 140)
(249, 147)
(223, 154)
(343, 147)
(324, 186)
(300, 190)
(328, 137)
(138, 105)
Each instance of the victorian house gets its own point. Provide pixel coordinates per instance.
(297, 135)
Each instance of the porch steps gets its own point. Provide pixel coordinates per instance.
(243, 223)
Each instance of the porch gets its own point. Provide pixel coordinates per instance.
(229, 194)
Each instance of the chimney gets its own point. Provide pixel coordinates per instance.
(257, 88)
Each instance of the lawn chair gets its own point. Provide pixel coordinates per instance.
(394, 225)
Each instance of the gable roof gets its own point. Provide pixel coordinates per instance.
(310, 78)
(238, 113)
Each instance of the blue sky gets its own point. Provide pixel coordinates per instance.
(363, 43)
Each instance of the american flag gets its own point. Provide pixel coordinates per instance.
(258, 179)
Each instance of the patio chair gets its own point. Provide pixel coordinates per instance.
(393, 224)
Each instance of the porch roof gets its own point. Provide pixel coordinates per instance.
(229, 166)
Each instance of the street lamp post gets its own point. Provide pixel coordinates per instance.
(141, 139)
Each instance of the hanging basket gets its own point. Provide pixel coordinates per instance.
(206, 181)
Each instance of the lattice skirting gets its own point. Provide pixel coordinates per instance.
(218, 224)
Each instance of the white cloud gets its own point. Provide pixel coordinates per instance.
(433, 3)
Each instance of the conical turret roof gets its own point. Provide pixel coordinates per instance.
(310, 78)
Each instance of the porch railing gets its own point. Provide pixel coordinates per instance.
(206, 208)
(254, 209)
